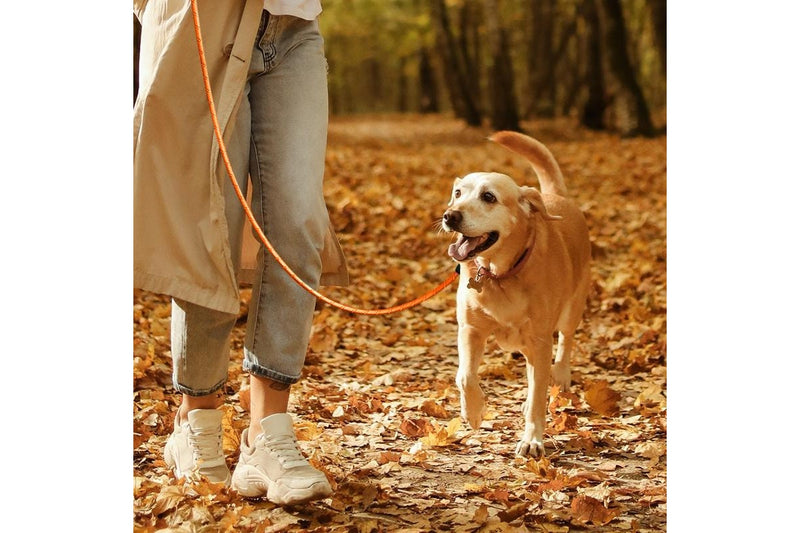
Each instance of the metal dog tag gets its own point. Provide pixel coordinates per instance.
(475, 283)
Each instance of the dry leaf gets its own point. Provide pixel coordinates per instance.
(416, 427)
(306, 430)
(481, 515)
(602, 398)
(588, 510)
(432, 408)
(513, 512)
(168, 498)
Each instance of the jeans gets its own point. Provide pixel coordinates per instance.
(285, 114)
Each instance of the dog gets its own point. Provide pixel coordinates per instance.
(524, 259)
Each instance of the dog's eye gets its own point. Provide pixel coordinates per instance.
(488, 197)
(457, 193)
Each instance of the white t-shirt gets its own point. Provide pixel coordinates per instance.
(304, 9)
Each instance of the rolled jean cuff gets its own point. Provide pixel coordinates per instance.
(197, 392)
(260, 371)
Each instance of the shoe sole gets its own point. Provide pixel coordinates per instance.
(250, 482)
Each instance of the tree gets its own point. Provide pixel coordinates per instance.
(658, 14)
(595, 106)
(454, 66)
(630, 107)
(541, 64)
(428, 90)
(503, 101)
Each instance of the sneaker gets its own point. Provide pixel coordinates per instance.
(275, 467)
(195, 447)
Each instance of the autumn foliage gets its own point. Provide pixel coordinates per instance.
(377, 408)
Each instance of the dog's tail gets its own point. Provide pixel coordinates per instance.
(551, 181)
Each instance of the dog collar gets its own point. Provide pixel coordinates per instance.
(476, 282)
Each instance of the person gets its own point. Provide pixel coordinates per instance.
(268, 74)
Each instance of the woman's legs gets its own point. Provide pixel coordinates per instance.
(289, 109)
(289, 106)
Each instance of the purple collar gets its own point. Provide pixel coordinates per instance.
(476, 282)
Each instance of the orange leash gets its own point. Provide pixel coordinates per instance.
(344, 307)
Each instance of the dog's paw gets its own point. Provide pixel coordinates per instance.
(533, 448)
(473, 408)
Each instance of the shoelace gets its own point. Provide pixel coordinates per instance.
(206, 446)
(285, 448)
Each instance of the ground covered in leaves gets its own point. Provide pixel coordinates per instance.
(377, 409)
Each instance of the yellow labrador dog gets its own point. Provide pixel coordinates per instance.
(524, 259)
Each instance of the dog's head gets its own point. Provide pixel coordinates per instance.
(488, 210)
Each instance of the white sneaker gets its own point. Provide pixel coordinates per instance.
(275, 467)
(195, 447)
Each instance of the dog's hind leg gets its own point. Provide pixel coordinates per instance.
(471, 343)
(535, 409)
(561, 367)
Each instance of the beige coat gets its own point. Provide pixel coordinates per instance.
(181, 243)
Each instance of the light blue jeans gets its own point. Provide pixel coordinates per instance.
(285, 115)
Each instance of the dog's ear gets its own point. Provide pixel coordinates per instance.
(533, 197)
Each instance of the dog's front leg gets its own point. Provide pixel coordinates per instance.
(535, 409)
(471, 343)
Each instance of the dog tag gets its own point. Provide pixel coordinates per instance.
(475, 283)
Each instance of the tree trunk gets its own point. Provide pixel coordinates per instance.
(428, 91)
(541, 66)
(658, 14)
(503, 101)
(468, 41)
(630, 107)
(402, 90)
(595, 106)
(374, 97)
(453, 65)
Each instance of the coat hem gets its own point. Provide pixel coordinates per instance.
(185, 290)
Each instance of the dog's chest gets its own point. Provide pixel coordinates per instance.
(511, 323)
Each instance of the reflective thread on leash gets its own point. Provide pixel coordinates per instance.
(248, 212)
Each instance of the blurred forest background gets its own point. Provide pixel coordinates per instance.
(499, 62)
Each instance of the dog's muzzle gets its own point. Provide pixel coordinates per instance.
(451, 220)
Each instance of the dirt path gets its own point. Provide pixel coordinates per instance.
(377, 409)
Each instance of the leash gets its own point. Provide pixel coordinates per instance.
(262, 237)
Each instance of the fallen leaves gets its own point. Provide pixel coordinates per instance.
(601, 397)
(442, 436)
(377, 409)
(588, 510)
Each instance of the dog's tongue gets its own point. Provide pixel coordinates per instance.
(460, 249)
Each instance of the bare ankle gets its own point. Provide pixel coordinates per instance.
(190, 403)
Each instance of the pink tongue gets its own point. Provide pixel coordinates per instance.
(460, 249)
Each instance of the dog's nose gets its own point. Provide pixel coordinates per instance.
(452, 219)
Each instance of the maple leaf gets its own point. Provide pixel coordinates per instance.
(601, 397)
(306, 430)
(481, 515)
(513, 512)
(442, 436)
(588, 510)
(389, 457)
(563, 421)
(416, 427)
(168, 498)
(651, 400)
(433, 408)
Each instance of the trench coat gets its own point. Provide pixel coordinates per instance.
(181, 245)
